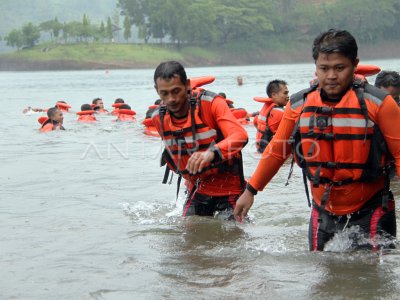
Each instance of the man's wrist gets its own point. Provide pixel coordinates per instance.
(251, 189)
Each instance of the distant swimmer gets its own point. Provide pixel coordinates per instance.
(54, 120)
(203, 142)
(239, 80)
(152, 108)
(270, 116)
(98, 106)
(390, 82)
(117, 103)
(86, 115)
(125, 113)
(29, 110)
(344, 135)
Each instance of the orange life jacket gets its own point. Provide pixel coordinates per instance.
(241, 115)
(126, 115)
(264, 134)
(63, 106)
(48, 125)
(181, 142)
(150, 129)
(338, 145)
(86, 116)
(116, 108)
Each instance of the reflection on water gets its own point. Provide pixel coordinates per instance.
(357, 276)
(84, 214)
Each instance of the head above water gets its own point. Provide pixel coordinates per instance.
(278, 91)
(173, 87)
(55, 115)
(169, 69)
(125, 106)
(98, 102)
(222, 94)
(85, 107)
(336, 41)
(119, 100)
(390, 82)
(335, 55)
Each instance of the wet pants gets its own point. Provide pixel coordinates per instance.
(204, 205)
(374, 222)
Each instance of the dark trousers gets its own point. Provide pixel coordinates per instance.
(203, 205)
(377, 225)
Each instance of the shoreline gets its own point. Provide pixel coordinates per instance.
(389, 50)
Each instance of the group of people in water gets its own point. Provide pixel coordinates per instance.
(342, 131)
(87, 114)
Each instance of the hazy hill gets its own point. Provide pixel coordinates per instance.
(15, 13)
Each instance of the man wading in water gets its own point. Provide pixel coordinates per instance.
(345, 135)
(202, 141)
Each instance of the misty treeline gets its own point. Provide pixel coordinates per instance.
(221, 22)
(67, 32)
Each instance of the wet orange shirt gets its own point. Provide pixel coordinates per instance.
(217, 115)
(344, 199)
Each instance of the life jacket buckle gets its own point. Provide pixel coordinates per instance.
(325, 110)
(177, 133)
(331, 165)
(329, 136)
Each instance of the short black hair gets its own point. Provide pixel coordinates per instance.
(95, 100)
(86, 107)
(387, 79)
(222, 94)
(119, 100)
(125, 106)
(157, 102)
(51, 112)
(274, 86)
(335, 41)
(169, 69)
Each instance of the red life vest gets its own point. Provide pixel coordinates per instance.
(264, 134)
(86, 116)
(63, 106)
(150, 129)
(337, 145)
(126, 115)
(48, 125)
(195, 135)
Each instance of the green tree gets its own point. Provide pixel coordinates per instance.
(14, 38)
(366, 19)
(86, 28)
(102, 31)
(127, 29)
(109, 30)
(30, 35)
(57, 26)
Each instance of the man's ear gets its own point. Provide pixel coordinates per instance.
(356, 63)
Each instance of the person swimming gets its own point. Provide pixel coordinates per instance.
(54, 120)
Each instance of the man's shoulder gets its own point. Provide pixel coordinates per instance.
(375, 94)
(297, 99)
(208, 96)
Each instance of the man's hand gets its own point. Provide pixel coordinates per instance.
(199, 160)
(243, 205)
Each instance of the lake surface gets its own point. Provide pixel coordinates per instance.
(84, 214)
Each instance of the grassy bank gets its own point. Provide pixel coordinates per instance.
(97, 56)
(128, 56)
